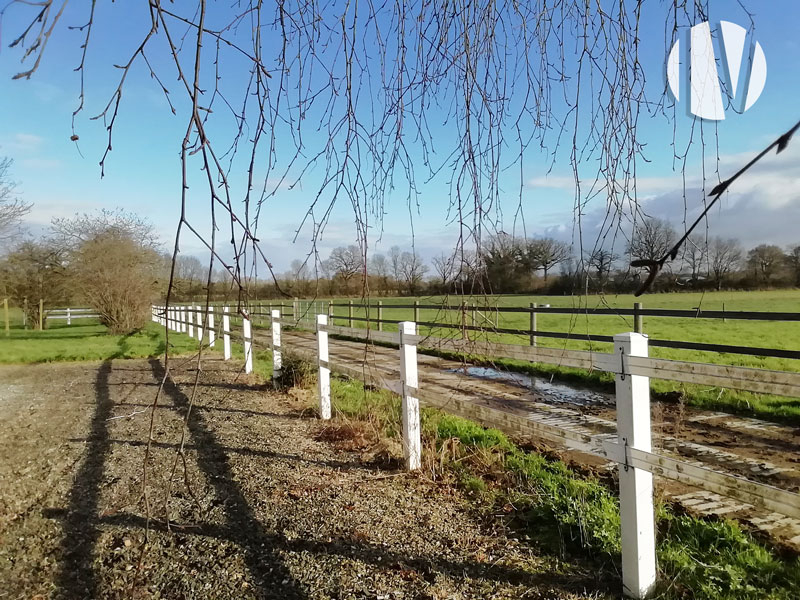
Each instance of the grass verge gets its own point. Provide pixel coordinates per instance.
(561, 511)
(88, 341)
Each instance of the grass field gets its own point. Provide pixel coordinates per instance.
(781, 335)
(85, 339)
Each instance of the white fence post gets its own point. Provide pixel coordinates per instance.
(248, 344)
(410, 382)
(324, 370)
(635, 485)
(183, 319)
(190, 321)
(69, 317)
(276, 344)
(200, 322)
(212, 335)
(226, 333)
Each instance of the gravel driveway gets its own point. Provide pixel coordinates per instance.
(264, 507)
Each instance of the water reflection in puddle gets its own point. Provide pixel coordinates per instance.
(552, 392)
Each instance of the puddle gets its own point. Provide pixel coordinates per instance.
(552, 392)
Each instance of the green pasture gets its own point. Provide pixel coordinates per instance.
(762, 334)
(783, 335)
(85, 339)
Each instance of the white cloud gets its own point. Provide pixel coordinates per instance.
(41, 164)
(20, 143)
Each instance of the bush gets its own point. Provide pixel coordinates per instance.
(117, 277)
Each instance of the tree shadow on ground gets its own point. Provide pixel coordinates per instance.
(427, 567)
(76, 577)
(262, 557)
(333, 464)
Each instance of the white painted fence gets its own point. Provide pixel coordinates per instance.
(72, 313)
(632, 369)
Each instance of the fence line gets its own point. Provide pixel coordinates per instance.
(630, 448)
(637, 312)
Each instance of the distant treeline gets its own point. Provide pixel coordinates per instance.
(509, 265)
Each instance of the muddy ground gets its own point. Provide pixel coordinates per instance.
(754, 449)
(270, 504)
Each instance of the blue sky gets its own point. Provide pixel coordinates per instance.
(143, 171)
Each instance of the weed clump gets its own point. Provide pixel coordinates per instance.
(295, 372)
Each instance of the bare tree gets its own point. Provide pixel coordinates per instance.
(765, 260)
(346, 262)
(114, 264)
(71, 232)
(189, 273)
(379, 268)
(412, 271)
(445, 267)
(544, 254)
(118, 277)
(723, 258)
(395, 261)
(651, 239)
(602, 261)
(12, 208)
(695, 253)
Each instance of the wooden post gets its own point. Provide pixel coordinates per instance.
(212, 335)
(295, 311)
(324, 370)
(380, 315)
(635, 485)
(723, 312)
(276, 344)
(5, 314)
(41, 314)
(637, 317)
(412, 445)
(247, 334)
(463, 320)
(350, 314)
(226, 333)
(533, 324)
(473, 317)
(330, 312)
(416, 311)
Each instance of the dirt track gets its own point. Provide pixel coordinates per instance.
(750, 448)
(276, 512)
